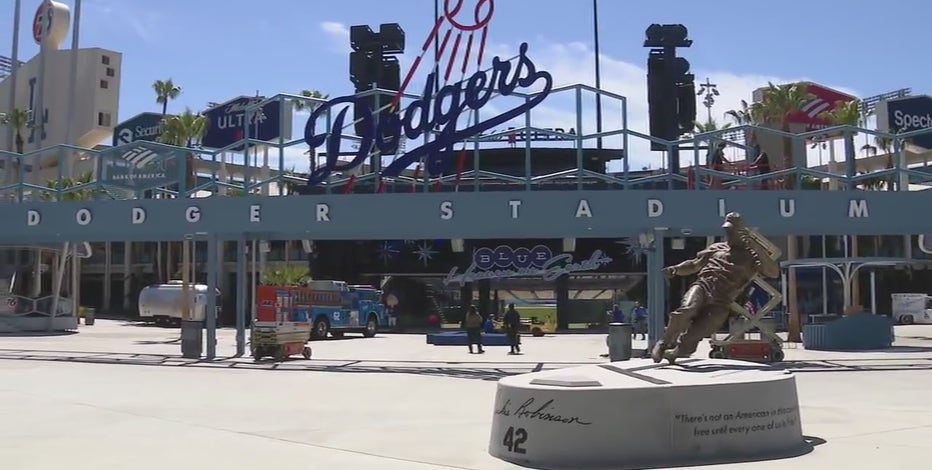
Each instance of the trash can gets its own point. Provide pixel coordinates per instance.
(89, 316)
(619, 341)
(192, 339)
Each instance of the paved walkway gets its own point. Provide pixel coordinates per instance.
(118, 396)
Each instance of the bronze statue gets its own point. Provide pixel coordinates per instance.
(725, 270)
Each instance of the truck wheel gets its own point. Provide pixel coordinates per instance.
(907, 319)
(321, 328)
(306, 352)
(777, 355)
(372, 326)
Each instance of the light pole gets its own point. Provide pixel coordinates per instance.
(711, 91)
(598, 72)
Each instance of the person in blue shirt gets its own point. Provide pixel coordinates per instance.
(617, 315)
(639, 318)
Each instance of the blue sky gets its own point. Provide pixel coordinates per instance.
(219, 49)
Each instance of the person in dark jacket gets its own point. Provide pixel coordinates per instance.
(473, 325)
(512, 321)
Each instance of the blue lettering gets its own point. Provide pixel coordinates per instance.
(440, 113)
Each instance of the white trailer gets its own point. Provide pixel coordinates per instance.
(912, 308)
(162, 303)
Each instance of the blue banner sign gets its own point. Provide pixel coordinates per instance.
(442, 112)
(504, 262)
(908, 114)
(140, 167)
(143, 126)
(227, 121)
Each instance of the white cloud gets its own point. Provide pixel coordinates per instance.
(339, 34)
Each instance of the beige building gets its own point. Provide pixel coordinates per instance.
(96, 97)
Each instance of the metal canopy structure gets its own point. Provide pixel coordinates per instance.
(533, 214)
(111, 205)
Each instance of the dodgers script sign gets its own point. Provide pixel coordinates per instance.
(504, 262)
(440, 114)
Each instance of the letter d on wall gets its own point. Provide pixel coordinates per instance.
(33, 218)
(139, 215)
(654, 207)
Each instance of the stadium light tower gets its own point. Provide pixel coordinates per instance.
(708, 91)
(671, 89)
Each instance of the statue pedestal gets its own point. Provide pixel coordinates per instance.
(637, 414)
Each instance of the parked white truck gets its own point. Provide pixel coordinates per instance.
(912, 308)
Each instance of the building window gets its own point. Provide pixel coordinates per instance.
(105, 59)
(111, 72)
(104, 84)
(103, 119)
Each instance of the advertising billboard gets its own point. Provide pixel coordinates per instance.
(907, 114)
(226, 122)
(140, 167)
(824, 99)
(143, 126)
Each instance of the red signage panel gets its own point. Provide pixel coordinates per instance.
(824, 99)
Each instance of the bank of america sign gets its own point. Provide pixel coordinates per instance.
(140, 167)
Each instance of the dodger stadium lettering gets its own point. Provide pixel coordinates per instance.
(446, 211)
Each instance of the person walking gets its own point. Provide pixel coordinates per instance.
(473, 325)
(639, 318)
(512, 321)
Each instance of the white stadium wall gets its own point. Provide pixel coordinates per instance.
(97, 97)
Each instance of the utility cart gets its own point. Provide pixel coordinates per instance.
(735, 345)
(280, 340)
(277, 331)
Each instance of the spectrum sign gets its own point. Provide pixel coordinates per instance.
(907, 114)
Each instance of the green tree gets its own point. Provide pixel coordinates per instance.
(779, 102)
(17, 119)
(165, 91)
(307, 105)
(845, 113)
(85, 194)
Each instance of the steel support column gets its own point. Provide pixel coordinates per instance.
(210, 315)
(656, 289)
(240, 289)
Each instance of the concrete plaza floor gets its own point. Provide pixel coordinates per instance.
(119, 396)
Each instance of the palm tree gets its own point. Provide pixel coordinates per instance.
(17, 119)
(845, 113)
(307, 105)
(778, 104)
(185, 130)
(165, 91)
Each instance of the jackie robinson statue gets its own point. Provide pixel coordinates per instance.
(724, 272)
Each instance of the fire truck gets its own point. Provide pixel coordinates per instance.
(330, 307)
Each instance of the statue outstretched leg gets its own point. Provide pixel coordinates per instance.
(702, 327)
(680, 321)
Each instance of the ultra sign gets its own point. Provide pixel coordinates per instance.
(441, 112)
